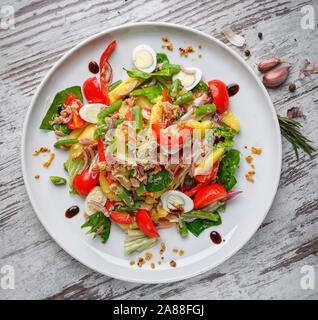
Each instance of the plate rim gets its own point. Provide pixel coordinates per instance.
(109, 31)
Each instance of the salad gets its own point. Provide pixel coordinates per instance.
(152, 151)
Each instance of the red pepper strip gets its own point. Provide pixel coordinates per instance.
(165, 95)
(76, 122)
(129, 116)
(101, 151)
(168, 140)
(92, 91)
(102, 67)
(211, 176)
(119, 217)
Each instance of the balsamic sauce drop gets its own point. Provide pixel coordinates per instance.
(233, 89)
(93, 67)
(215, 237)
(72, 212)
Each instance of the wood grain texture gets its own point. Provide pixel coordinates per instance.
(268, 267)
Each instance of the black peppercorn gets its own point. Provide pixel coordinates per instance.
(292, 87)
(260, 35)
(247, 53)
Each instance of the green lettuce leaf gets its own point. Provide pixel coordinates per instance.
(95, 222)
(136, 240)
(72, 167)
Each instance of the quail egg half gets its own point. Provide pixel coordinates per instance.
(144, 58)
(189, 77)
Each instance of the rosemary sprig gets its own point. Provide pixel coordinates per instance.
(290, 130)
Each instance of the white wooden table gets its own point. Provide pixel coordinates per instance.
(269, 266)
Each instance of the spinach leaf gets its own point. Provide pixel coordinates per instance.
(96, 221)
(162, 58)
(59, 100)
(201, 87)
(168, 70)
(227, 169)
(159, 181)
(199, 225)
(135, 73)
(151, 93)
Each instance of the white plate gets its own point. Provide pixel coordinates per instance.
(243, 216)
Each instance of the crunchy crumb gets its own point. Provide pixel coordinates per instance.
(141, 261)
(163, 248)
(173, 263)
(162, 258)
(249, 178)
(181, 252)
(148, 256)
(37, 176)
(152, 265)
(47, 163)
(132, 262)
(200, 46)
(163, 46)
(251, 173)
(42, 149)
(200, 55)
(252, 165)
(256, 150)
(159, 262)
(175, 250)
(184, 52)
(57, 137)
(86, 215)
(249, 159)
(170, 46)
(164, 38)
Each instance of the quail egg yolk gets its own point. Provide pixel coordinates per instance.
(143, 59)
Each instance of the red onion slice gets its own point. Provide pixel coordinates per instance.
(231, 195)
(108, 72)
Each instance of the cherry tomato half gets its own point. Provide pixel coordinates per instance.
(145, 224)
(119, 217)
(92, 91)
(86, 181)
(220, 95)
(208, 194)
(76, 122)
